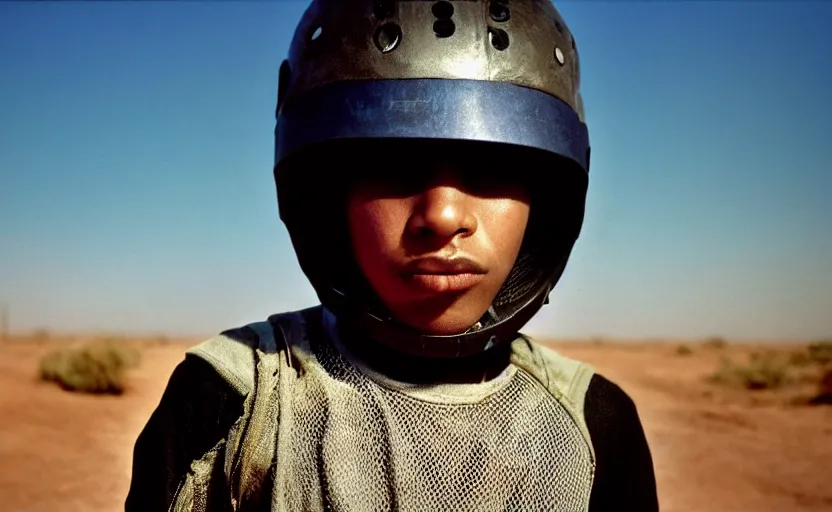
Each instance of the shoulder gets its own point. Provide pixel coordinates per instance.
(233, 353)
(613, 420)
(624, 463)
(195, 412)
(611, 415)
(205, 395)
(563, 376)
(591, 392)
(607, 403)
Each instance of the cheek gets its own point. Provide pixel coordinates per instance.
(375, 227)
(507, 226)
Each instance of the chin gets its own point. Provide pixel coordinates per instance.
(446, 329)
(448, 323)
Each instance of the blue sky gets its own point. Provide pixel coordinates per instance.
(136, 144)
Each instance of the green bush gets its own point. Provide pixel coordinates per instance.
(99, 367)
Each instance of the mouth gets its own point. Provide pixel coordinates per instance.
(443, 275)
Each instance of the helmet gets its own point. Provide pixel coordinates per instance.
(476, 73)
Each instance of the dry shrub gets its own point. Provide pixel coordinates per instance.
(800, 359)
(824, 396)
(99, 367)
(800, 368)
(820, 352)
(684, 350)
(715, 343)
(39, 336)
(762, 371)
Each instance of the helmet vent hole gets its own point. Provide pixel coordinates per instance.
(573, 44)
(499, 11)
(316, 34)
(444, 28)
(443, 10)
(558, 27)
(388, 37)
(383, 8)
(499, 38)
(559, 56)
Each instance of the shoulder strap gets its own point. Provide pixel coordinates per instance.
(232, 353)
(565, 378)
(239, 357)
(260, 361)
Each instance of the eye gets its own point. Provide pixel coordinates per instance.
(490, 182)
(488, 173)
(382, 180)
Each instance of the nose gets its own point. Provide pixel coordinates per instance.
(443, 212)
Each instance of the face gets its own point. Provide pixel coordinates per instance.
(436, 247)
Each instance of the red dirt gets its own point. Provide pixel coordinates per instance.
(67, 451)
(713, 450)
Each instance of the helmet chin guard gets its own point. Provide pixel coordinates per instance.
(473, 71)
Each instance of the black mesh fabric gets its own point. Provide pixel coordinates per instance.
(521, 281)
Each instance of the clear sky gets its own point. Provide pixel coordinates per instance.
(136, 145)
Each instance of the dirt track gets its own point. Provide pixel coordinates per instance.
(713, 450)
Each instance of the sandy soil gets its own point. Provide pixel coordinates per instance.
(713, 449)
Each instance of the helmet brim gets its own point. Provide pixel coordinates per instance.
(469, 110)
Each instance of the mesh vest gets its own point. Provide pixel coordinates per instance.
(322, 432)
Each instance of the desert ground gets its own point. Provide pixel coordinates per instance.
(715, 448)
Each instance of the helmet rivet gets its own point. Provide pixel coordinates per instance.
(442, 10)
(499, 11)
(388, 37)
(559, 56)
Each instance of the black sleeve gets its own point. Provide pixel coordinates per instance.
(624, 475)
(196, 411)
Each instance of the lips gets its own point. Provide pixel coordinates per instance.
(443, 275)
